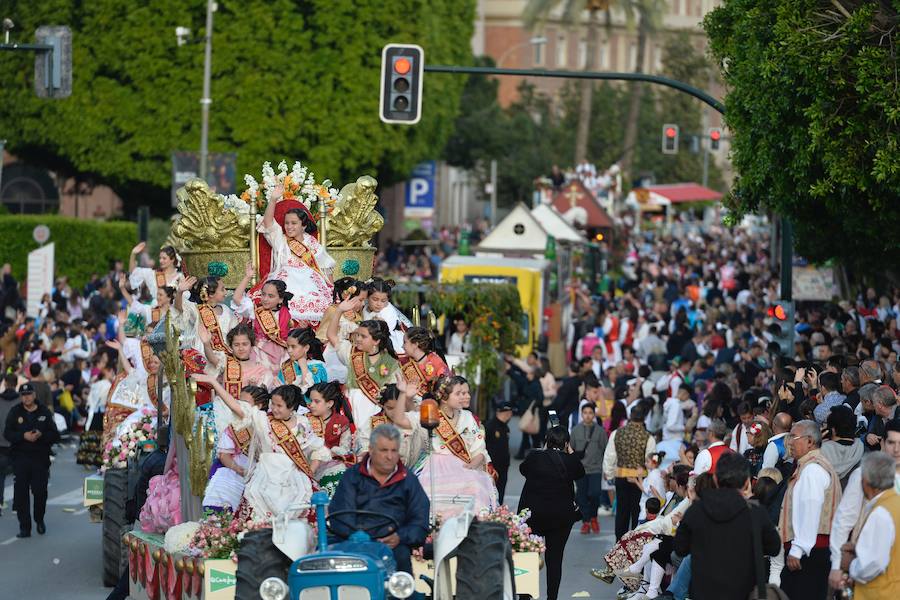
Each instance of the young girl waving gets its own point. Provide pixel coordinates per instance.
(271, 317)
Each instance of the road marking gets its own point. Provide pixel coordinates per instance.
(9, 541)
(82, 511)
(70, 498)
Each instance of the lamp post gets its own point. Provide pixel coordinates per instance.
(534, 41)
(205, 101)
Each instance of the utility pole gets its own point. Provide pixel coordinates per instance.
(205, 101)
(493, 192)
(787, 259)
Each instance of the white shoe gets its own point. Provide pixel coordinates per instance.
(604, 512)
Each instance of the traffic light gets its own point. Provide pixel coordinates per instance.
(782, 326)
(670, 139)
(401, 83)
(715, 136)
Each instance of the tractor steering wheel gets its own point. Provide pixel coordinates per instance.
(380, 523)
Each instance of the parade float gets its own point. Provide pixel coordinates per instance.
(178, 551)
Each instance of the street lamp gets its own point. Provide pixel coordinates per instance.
(183, 35)
(534, 41)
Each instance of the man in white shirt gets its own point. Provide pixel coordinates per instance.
(673, 416)
(709, 456)
(740, 441)
(867, 559)
(776, 449)
(852, 501)
(811, 500)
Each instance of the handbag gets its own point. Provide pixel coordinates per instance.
(530, 422)
(764, 590)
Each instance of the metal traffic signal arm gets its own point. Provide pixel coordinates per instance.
(53, 63)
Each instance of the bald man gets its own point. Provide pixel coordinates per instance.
(776, 449)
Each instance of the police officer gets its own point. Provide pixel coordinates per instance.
(31, 433)
(496, 434)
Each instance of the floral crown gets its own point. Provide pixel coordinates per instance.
(299, 184)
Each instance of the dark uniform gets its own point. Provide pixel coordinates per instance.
(496, 437)
(30, 459)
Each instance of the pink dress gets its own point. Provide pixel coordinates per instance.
(310, 286)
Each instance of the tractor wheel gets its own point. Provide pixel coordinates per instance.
(484, 564)
(115, 524)
(258, 559)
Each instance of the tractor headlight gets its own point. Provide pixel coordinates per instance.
(400, 584)
(273, 588)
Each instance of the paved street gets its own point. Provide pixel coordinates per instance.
(65, 563)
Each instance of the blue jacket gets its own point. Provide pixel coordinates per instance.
(400, 497)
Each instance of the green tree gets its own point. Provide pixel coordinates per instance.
(295, 80)
(814, 112)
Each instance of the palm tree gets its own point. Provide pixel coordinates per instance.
(646, 13)
(536, 12)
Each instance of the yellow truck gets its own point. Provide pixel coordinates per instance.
(529, 275)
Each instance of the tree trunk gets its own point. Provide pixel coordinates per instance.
(634, 105)
(587, 90)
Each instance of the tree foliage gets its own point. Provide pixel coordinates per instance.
(290, 79)
(534, 133)
(814, 111)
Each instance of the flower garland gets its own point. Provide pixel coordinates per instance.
(141, 432)
(520, 535)
(299, 184)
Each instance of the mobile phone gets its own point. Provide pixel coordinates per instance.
(554, 419)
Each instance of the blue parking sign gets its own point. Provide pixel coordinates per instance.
(420, 190)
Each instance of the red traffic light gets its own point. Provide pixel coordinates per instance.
(715, 135)
(777, 311)
(671, 132)
(402, 66)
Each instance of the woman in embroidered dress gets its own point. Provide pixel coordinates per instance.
(304, 366)
(329, 418)
(379, 306)
(205, 309)
(243, 365)
(456, 464)
(154, 314)
(284, 452)
(168, 274)
(297, 258)
(371, 363)
(226, 486)
(344, 289)
(270, 316)
(420, 364)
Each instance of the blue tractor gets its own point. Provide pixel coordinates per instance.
(357, 569)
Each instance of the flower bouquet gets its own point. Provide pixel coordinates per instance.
(299, 184)
(132, 438)
(520, 535)
(219, 535)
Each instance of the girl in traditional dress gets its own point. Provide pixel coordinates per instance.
(270, 317)
(284, 453)
(371, 363)
(410, 445)
(304, 366)
(154, 314)
(243, 365)
(136, 387)
(168, 274)
(456, 464)
(205, 308)
(379, 306)
(226, 486)
(420, 364)
(328, 417)
(344, 289)
(297, 258)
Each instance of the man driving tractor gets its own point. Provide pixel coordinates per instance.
(382, 485)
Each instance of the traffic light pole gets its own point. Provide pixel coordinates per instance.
(603, 75)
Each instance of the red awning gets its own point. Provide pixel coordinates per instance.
(685, 192)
